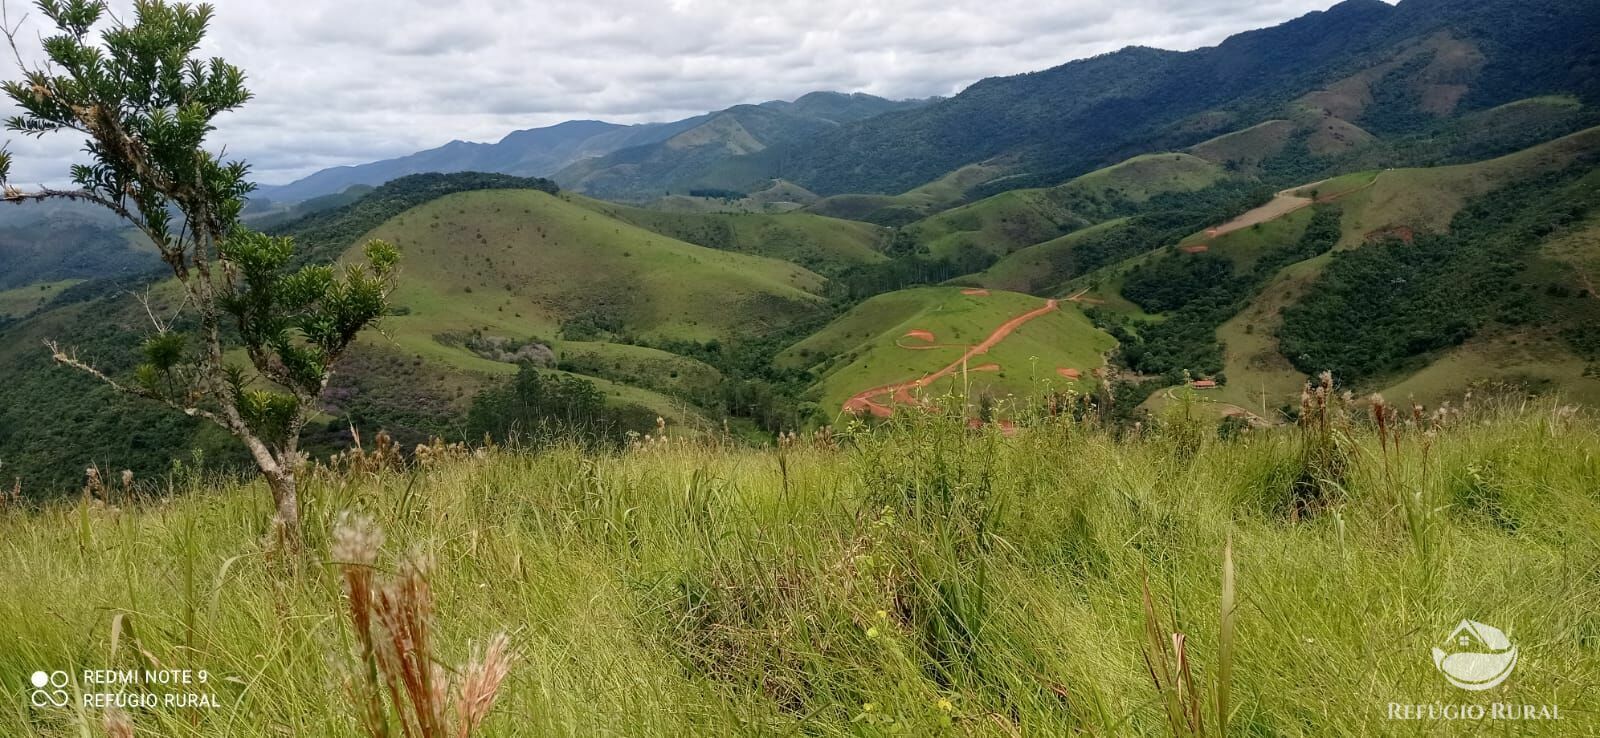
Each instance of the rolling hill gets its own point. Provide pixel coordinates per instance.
(1003, 223)
(531, 262)
(819, 243)
(908, 335)
(486, 271)
(1380, 214)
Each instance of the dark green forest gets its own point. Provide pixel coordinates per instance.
(1386, 307)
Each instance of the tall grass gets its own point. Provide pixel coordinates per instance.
(918, 578)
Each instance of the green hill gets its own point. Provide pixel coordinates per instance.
(821, 244)
(1246, 149)
(526, 263)
(1379, 214)
(19, 301)
(1003, 223)
(873, 345)
(517, 266)
(947, 191)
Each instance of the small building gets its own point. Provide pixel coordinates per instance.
(1201, 384)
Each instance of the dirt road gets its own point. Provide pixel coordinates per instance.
(863, 401)
(1281, 204)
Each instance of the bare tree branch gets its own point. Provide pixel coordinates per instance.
(64, 358)
(12, 194)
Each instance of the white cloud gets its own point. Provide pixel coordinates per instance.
(347, 81)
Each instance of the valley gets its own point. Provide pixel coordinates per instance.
(665, 266)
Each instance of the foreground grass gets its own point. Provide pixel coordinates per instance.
(919, 579)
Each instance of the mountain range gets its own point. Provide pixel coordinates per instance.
(1408, 195)
(589, 146)
(1365, 66)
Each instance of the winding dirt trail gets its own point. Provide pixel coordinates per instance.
(1281, 204)
(901, 391)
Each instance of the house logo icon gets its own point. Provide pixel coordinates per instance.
(1475, 656)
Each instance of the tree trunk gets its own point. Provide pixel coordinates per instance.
(286, 506)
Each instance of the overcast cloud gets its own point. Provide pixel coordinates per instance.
(349, 81)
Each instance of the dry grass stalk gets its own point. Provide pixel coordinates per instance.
(1225, 638)
(400, 680)
(118, 724)
(1167, 662)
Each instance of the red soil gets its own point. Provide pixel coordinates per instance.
(1196, 248)
(990, 367)
(864, 400)
(976, 292)
(1068, 373)
(1007, 428)
(919, 333)
(1404, 233)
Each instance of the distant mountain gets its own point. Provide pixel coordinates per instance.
(541, 152)
(531, 152)
(1390, 68)
(697, 157)
(53, 241)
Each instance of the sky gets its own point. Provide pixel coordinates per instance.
(349, 81)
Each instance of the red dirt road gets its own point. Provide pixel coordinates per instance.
(901, 391)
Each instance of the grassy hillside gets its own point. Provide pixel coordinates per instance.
(19, 301)
(921, 579)
(1397, 202)
(942, 193)
(1426, 199)
(821, 244)
(778, 197)
(1246, 149)
(514, 265)
(874, 345)
(1376, 206)
(1009, 221)
(526, 263)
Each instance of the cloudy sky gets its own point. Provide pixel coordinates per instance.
(348, 81)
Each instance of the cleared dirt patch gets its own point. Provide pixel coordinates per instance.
(1069, 372)
(989, 367)
(901, 391)
(920, 334)
(1196, 248)
(1281, 204)
(1403, 233)
(976, 292)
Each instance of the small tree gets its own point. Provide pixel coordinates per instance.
(145, 105)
